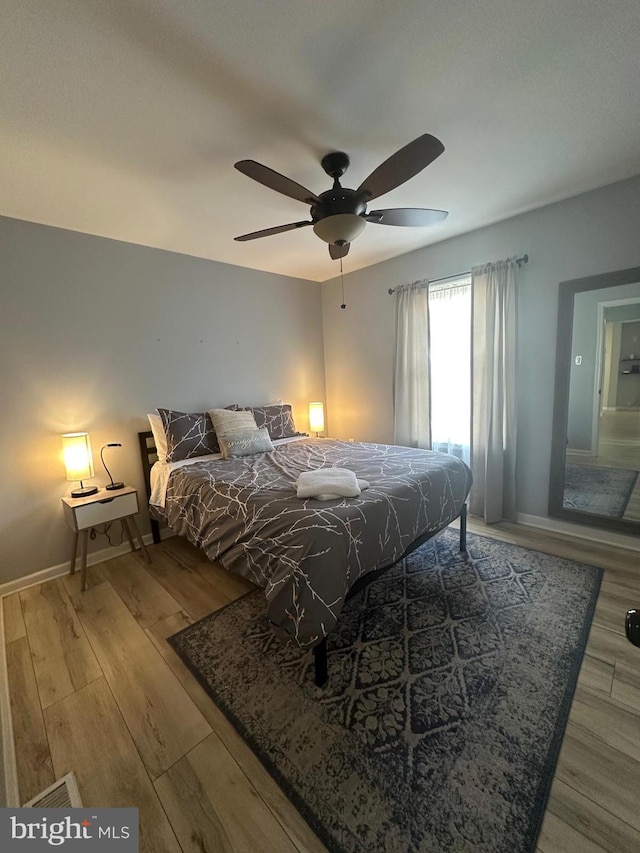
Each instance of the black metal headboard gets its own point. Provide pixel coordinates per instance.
(149, 455)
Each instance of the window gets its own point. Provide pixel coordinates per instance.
(450, 365)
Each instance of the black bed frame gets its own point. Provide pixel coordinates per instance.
(149, 455)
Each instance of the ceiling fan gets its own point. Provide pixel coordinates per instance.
(340, 214)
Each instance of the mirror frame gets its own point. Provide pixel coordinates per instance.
(566, 294)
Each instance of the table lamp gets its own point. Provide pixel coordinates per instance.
(316, 418)
(76, 449)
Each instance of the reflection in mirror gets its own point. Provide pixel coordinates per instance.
(596, 443)
(603, 446)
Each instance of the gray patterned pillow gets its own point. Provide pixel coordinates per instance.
(278, 420)
(245, 442)
(188, 434)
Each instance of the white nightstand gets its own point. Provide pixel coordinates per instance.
(82, 514)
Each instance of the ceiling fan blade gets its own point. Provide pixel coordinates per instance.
(401, 166)
(338, 252)
(267, 232)
(407, 216)
(275, 181)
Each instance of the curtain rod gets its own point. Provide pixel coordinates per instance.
(524, 259)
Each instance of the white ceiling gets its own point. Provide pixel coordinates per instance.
(124, 117)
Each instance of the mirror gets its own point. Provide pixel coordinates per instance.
(595, 458)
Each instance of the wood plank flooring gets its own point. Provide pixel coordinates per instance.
(95, 688)
(88, 735)
(62, 657)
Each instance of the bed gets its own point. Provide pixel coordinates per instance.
(307, 555)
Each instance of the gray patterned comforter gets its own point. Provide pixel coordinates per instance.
(306, 554)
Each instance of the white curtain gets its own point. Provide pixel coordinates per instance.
(411, 380)
(450, 355)
(493, 431)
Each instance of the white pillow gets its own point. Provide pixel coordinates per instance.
(159, 435)
(226, 421)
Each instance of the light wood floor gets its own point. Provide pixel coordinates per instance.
(96, 689)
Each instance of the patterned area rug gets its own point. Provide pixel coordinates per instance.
(601, 491)
(450, 681)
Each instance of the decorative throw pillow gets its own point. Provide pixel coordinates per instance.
(246, 442)
(277, 419)
(188, 434)
(226, 421)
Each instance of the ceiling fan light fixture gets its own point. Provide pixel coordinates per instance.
(340, 228)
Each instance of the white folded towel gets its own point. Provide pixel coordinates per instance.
(326, 484)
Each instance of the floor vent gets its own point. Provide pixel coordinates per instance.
(63, 794)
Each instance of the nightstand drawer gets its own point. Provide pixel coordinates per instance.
(98, 513)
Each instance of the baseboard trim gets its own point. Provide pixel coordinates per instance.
(577, 531)
(12, 791)
(57, 571)
(575, 452)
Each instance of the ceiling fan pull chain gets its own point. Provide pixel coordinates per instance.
(342, 280)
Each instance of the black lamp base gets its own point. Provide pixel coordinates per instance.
(632, 626)
(84, 492)
(113, 486)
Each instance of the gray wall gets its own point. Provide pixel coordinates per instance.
(95, 333)
(592, 233)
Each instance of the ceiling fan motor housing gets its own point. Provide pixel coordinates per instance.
(337, 200)
(336, 215)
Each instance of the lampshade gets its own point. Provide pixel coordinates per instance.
(340, 228)
(316, 417)
(78, 460)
